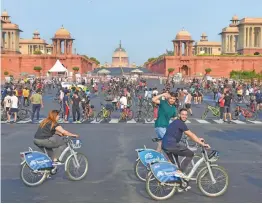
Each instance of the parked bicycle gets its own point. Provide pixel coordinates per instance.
(165, 178)
(104, 114)
(39, 166)
(246, 113)
(141, 116)
(127, 114)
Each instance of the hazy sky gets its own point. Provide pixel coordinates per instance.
(146, 27)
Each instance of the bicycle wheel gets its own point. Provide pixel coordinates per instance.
(149, 116)
(152, 183)
(21, 115)
(204, 114)
(138, 116)
(252, 116)
(130, 115)
(205, 184)
(140, 170)
(28, 114)
(99, 116)
(73, 172)
(36, 179)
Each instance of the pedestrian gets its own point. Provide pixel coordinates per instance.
(66, 106)
(221, 104)
(75, 107)
(227, 107)
(188, 100)
(7, 105)
(166, 111)
(14, 106)
(37, 103)
(26, 94)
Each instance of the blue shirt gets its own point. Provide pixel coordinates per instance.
(64, 101)
(174, 133)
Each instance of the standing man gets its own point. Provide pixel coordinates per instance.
(221, 103)
(227, 107)
(66, 106)
(37, 102)
(26, 94)
(188, 100)
(166, 111)
(7, 105)
(75, 107)
(14, 105)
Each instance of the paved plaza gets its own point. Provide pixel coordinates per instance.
(111, 154)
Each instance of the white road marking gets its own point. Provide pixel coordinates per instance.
(131, 121)
(152, 122)
(114, 120)
(238, 122)
(188, 121)
(94, 122)
(255, 122)
(202, 121)
(219, 121)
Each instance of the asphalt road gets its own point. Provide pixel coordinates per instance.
(111, 154)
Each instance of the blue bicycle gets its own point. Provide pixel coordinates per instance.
(37, 166)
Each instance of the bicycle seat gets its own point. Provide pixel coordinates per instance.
(156, 139)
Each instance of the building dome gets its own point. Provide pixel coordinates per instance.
(4, 13)
(36, 32)
(120, 52)
(204, 35)
(62, 33)
(183, 35)
(235, 18)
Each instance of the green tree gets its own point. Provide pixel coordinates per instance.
(6, 73)
(95, 60)
(169, 70)
(37, 52)
(38, 69)
(208, 70)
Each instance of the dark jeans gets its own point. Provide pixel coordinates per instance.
(26, 100)
(221, 112)
(53, 145)
(36, 108)
(179, 150)
(76, 110)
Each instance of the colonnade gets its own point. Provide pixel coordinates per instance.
(10, 40)
(253, 36)
(57, 46)
(188, 48)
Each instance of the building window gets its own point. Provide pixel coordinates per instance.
(20, 46)
(219, 49)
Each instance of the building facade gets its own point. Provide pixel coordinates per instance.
(241, 49)
(22, 55)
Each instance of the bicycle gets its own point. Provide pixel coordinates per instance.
(215, 111)
(104, 114)
(88, 113)
(165, 174)
(22, 114)
(41, 166)
(142, 115)
(127, 114)
(248, 114)
(147, 156)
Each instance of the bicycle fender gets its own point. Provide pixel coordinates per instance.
(68, 160)
(22, 162)
(204, 169)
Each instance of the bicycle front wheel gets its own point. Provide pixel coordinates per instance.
(77, 170)
(207, 187)
(204, 115)
(99, 116)
(157, 190)
(140, 170)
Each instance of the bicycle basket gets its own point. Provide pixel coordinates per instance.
(213, 156)
(76, 144)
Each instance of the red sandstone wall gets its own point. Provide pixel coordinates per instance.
(15, 64)
(221, 66)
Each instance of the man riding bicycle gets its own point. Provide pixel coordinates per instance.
(172, 137)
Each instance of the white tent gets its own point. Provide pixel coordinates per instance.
(58, 67)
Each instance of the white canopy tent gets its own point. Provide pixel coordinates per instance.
(58, 67)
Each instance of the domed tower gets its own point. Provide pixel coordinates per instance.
(120, 57)
(183, 44)
(10, 35)
(62, 36)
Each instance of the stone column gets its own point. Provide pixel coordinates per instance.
(180, 48)
(3, 40)
(248, 37)
(70, 47)
(17, 41)
(58, 47)
(54, 47)
(260, 38)
(65, 47)
(252, 36)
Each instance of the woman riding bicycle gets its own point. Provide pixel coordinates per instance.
(49, 135)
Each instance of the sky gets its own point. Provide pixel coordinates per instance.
(145, 27)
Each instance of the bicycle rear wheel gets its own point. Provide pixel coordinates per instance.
(155, 189)
(149, 116)
(36, 178)
(140, 170)
(204, 114)
(99, 116)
